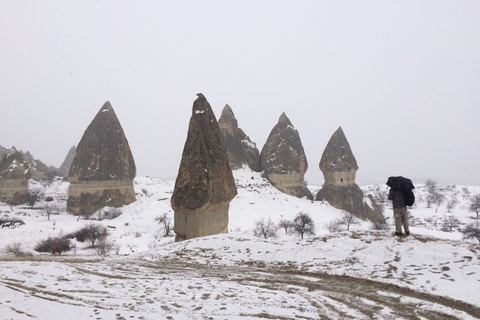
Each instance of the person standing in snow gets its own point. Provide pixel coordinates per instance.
(399, 211)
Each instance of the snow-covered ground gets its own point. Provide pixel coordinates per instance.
(356, 274)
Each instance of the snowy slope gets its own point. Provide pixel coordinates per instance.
(237, 275)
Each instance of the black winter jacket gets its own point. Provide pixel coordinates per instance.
(397, 198)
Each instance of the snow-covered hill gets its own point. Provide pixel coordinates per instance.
(235, 275)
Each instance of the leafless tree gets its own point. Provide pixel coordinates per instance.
(381, 194)
(303, 224)
(471, 231)
(451, 204)
(35, 193)
(265, 229)
(439, 200)
(166, 222)
(449, 223)
(349, 219)
(475, 204)
(285, 225)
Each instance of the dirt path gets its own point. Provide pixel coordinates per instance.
(185, 290)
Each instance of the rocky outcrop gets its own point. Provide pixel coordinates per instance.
(14, 175)
(284, 161)
(67, 163)
(103, 169)
(240, 149)
(38, 169)
(339, 168)
(205, 184)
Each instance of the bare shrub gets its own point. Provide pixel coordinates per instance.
(10, 223)
(349, 219)
(104, 245)
(265, 229)
(334, 225)
(379, 225)
(109, 213)
(15, 249)
(53, 245)
(90, 232)
(166, 222)
(303, 224)
(450, 223)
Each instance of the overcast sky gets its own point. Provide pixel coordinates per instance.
(402, 78)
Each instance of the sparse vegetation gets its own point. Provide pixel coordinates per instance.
(265, 228)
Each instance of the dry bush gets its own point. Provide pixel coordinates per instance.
(53, 245)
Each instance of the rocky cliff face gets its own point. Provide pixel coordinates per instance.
(14, 175)
(284, 161)
(240, 149)
(339, 168)
(205, 184)
(103, 168)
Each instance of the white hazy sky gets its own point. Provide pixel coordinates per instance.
(402, 78)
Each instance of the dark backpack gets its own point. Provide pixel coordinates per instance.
(409, 198)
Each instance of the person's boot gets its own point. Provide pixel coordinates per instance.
(398, 234)
(407, 233)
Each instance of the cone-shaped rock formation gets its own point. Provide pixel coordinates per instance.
(205, 184)
(14, 175)
(103, 169)
(339, 168)
(67, 163)
(284, 161)
(240, 149)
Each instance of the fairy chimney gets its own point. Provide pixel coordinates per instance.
(240, 149)
(205, 184)
(14, 175)
(339, 168)
(284, 161)
(66, 164)
(102, 172)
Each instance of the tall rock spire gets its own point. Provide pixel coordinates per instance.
(240, 149)
(205, 184)
(283, 159)
(102, 172)
(339, 168)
